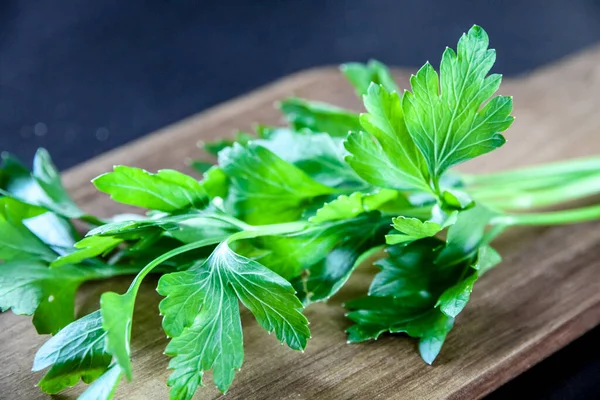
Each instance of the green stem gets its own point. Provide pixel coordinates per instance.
(268, 230)
(232, 220)
(133, 288)
(544, 198)
(575, 166)
(509, 189)
(437, 192)
(550, 218)
(252, 232)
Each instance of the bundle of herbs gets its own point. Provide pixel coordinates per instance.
(281, 222)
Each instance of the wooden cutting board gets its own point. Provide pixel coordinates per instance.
(545, 293)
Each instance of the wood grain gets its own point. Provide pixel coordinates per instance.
(545, 293)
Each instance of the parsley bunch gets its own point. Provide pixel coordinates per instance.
(281, 222)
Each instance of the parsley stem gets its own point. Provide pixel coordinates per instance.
(572, 167)
(252, 232)
(133, 288)
(550, 218)
(524, 185)
(574, 190)
(268, 230)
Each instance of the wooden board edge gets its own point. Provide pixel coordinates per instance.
(524, 359)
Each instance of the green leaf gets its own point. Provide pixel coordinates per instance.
(31, 288)
(346, 207)
(215, 183)
(432, 330)
(410, 271)
(319, 155)
(328, 276)
(376, 315)
(264, 188)
(117, 309)
(48, 177)
(455, 298)
(19, 210)
(412, 229)
(361, 76)
(167, 190)
(450, 126)
(467, 235)
(385, 154)
(457, 199)
(89, 247)
(201, 314)
(288, 255)
(56, 232)
(347, 242)
(487, 258)
(76, 352)
(41, 187)
(16, 241)
(186, 228)
(319, 117)
(117, 317)
(415, 293)
(105, 386)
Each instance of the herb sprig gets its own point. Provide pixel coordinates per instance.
(282, 221)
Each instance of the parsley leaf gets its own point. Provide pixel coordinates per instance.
(345, 206)
(41, 187)
(376, 315)
(343, 245)
(16, 240)
(29, 287)
(319, 117)
(88, 247)
(56, 232)
(167, 190)
(449, 127)
(454, 299)
(186, 228)
(319, 155)
(77, 351)
(215, 183)
(414, 294)
(105, 386)
(201, 313)
(361, 76)
(468, 234)
(264, 188)
(409, 270)
(412, 229)
(117, 309)
(385, 154)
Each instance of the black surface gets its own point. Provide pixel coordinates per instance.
(82, 77)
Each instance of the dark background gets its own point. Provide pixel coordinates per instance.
(82, 77)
